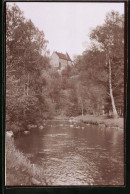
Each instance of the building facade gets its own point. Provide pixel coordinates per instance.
(60, 60)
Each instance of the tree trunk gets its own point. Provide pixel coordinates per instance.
(28, 85)
(115, 114)
(82, 109)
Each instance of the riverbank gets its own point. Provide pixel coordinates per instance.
(19, 170)
(96, 120)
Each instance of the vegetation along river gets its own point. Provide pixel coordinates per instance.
(75, 154)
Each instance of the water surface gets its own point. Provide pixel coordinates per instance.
(72, 153)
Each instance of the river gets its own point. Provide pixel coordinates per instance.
(73, 153)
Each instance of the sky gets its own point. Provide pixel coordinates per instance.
(67, 25)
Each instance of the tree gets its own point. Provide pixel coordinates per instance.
(24, 64)
(92, 79)
(25, 44)
(109, 39)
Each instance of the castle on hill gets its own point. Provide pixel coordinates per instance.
(60, 60)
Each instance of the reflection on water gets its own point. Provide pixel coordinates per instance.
(76, 154)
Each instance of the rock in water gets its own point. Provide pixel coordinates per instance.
(26, 132)
(9, 133)
(41, 127)
(35, 181)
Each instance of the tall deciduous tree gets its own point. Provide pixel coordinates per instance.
(109, 39)
(24, 62)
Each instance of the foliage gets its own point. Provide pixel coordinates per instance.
(37, 91)
(24, 65)
(102, 67)
(109, 38)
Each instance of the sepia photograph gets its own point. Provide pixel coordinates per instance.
(65, 94)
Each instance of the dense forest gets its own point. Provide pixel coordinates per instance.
(94, 84)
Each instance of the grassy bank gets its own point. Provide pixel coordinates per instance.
(19, 170)
(97, 120)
